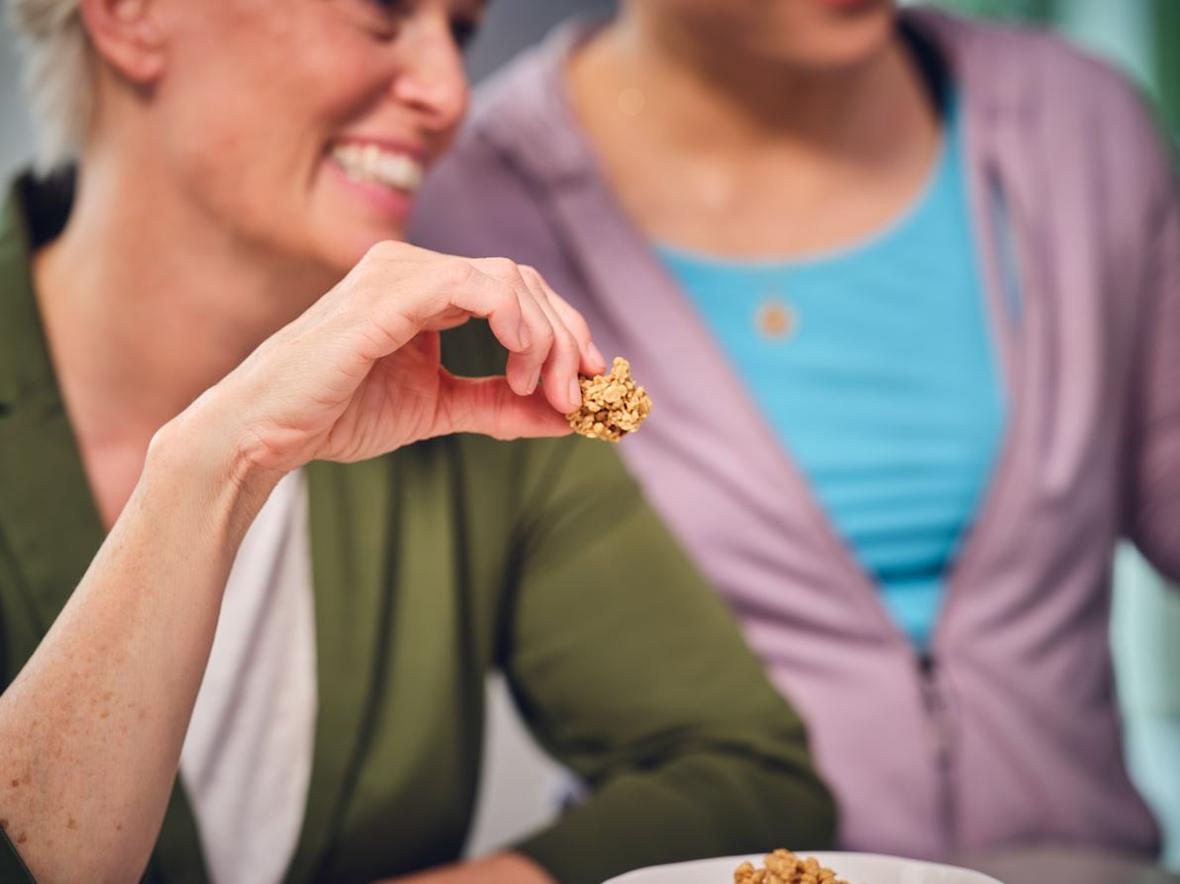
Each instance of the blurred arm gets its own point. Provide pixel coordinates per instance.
(630, 670)
(1154, 520)
(92, 727)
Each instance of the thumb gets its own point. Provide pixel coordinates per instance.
(488, 406)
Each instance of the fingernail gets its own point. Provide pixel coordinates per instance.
(536, 380)
(575, 393)
(596, 356)
(522, 335)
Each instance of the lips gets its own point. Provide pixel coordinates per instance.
(376, 164)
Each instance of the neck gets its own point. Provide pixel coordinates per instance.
(713, 101)
(147, 301)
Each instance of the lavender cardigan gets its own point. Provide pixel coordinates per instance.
(1012, 733)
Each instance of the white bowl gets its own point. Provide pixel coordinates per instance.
(856, 868)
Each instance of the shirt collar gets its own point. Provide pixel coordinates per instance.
(26, 373)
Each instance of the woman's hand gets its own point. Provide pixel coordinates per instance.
(108, 694)
(358, 374)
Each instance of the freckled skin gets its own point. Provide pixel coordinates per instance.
(244, 85)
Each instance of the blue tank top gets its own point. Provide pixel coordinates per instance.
(875, 367)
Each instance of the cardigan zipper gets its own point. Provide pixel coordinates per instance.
(1008, 287)
(938, 718)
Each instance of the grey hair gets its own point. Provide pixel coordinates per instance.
(58, 75)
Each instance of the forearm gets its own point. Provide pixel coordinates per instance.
(91, 729)
(654, 698)
(699, 805)
(500, 868)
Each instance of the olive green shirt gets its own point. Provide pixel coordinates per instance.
(432, 567)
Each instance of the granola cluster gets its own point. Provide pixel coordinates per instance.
(783, 867)
(613, 405)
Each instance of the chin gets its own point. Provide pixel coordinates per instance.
(337, 242)
(352, 247)
(843, 52)
(350, 216)
(827, 42)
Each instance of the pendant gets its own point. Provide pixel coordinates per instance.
(776, 320)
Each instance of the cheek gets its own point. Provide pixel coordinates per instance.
(246, 130)
(226, 114)
(233, 153)
(333, 70)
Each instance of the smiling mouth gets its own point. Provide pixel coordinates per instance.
(371, 163)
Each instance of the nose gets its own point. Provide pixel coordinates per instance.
(432, 80)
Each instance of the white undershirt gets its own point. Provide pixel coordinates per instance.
(246, 760)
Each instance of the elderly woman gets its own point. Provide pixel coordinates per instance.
(170, 367)
(906, 291)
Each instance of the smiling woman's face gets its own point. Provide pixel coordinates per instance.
(304, 126)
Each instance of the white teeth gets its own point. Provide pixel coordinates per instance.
(371, 163)
(398, 170)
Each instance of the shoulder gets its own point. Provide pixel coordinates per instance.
(489, 195)
(1043, 77)
(476, 202)
(1013, 65)
(1047, 104)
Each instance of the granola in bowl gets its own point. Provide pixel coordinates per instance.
(784, 867)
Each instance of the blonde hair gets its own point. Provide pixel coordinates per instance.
(57, 75)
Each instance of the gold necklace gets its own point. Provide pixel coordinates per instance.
(775, 319)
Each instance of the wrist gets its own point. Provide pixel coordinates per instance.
(198, 454)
